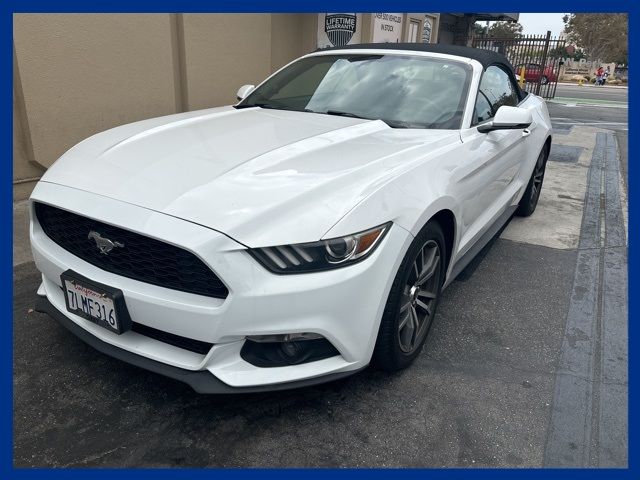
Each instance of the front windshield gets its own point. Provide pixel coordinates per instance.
(403, 91)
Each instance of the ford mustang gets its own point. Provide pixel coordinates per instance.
(299, 235)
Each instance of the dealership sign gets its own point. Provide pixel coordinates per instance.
(387, 27)
(338, 29)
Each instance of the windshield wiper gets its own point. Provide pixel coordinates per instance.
(397, 124)
(391, 123)
(260, 105)
(340, 113)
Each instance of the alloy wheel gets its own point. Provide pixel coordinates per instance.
(538, 176)
(419, 297)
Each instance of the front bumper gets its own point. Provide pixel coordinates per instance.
(343, 305)
(201, 381)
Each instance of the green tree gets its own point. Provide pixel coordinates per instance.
(567, 52)
(479, 29)
(578, 54)
(602, 36)
(559, 52)
(505, 30)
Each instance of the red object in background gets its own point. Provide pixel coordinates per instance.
(533, 72)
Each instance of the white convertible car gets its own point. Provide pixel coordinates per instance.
(299, 235)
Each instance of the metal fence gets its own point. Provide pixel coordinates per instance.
(539, 55)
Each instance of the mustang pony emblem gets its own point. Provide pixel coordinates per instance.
(104, 244)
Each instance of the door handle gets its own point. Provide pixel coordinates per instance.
(526, 132)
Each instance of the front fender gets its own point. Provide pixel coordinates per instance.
(409, 202)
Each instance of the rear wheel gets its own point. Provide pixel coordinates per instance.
(544, 80)
(529, 200)
(413, 301)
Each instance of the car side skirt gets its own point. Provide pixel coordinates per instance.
(495, 229)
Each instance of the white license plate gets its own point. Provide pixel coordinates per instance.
(92, 304)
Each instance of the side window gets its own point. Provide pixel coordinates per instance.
(483, 108)
(495, 91)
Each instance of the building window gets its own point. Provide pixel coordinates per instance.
(414, 28)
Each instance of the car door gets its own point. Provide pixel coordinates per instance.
(487, 181)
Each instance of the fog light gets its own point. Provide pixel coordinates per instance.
(287, 337)
(286, 349)
(292, 349)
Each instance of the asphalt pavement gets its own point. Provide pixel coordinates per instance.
(525, 365)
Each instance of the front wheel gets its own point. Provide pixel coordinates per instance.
(412, 301)
(529, 200)
(544, 80)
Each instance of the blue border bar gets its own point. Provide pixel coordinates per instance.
(7, 9)
(273, 6)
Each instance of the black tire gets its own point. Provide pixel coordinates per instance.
(529, 200)
(390, 353)
(544, 80)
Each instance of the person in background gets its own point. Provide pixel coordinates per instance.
(605, 75)
(599, 74)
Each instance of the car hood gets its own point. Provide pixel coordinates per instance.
(262, 177)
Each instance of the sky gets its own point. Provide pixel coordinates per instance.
(539, 23)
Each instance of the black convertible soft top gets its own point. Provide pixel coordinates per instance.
(485, 57)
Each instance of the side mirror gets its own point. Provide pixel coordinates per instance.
(243, 91)
(508, 118)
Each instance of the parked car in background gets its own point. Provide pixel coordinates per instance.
(534, 73)
(299, 235)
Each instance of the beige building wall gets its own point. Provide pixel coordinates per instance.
(222, 52)
(284, 27)
(78, 74)
(24, 168)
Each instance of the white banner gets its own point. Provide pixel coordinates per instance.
(387, 27)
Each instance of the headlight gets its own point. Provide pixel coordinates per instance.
(321, 255)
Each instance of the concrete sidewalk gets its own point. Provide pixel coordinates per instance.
(575, 84)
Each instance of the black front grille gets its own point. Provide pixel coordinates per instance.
(140, 257)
